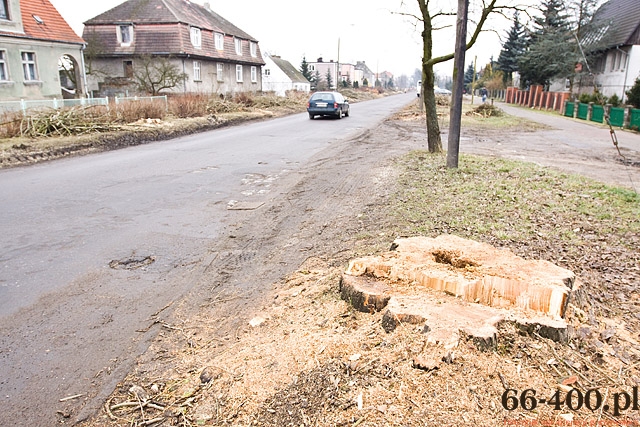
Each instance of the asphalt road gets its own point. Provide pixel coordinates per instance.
(94, 249)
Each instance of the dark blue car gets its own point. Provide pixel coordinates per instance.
(328, 104)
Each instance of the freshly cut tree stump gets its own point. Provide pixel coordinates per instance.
(481, 287)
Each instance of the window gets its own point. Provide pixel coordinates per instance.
(220, 72)
(238, 43)
(219, 40)
(196, 71)
(254, 49)
(4, 9)
(312, 67)
(266, 71)
(125, 34)
(29, 66)
(128, 68)
(4, 75)
(254, 74)
(196, 41)
(618, 60)
(239, 73)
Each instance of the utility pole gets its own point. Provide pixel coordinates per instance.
(473, 80)
(338, 65)
(455, 115)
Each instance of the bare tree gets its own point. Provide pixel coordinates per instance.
(427, 17)
(155, 74)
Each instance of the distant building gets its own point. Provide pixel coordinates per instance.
(386, 79)
(35, 42)
(363, 72)
(347, 72)
(215, 55)
(280, 76)
(323, 69)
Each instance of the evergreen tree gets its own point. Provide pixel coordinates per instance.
(633, 94)
(304, 69)
(329, 79)
(315, 80)
(512, 49)
(552, 51)
(468, 77)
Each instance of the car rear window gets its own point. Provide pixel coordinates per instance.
(322, 97)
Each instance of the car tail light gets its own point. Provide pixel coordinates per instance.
(335, 105)
(308, 104)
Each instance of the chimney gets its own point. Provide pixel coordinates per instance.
(207, 5)
(320, 59)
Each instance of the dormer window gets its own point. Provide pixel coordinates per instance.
(238, 43)
(254, 49)
(219, 40)
(196, 37)
(4, 9)
(125, 35)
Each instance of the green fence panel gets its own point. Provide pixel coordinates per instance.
(583, 111)
(616, 116)
(570, 109)
(597, 113)
(635, 119)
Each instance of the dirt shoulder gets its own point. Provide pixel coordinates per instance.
(303, 356)
(26, 151)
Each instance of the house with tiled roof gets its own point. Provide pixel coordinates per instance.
(280, 76)
(617, 31)
(36, 44)
(214, 55)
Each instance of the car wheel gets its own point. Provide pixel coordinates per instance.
(347, 113)
(311, 116)
(339, 114)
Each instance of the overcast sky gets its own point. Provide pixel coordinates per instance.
(367, 30)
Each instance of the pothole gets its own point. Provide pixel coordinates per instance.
(132, 263)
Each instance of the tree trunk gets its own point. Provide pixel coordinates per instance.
(434, 143)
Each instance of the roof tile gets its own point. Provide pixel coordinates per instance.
(52, 25)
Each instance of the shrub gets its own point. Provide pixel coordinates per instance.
(244, 98)
(10, 124)
(615, 101)
(189, 105)
(633, 94)
(132, 111)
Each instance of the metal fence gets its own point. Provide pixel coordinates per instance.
(162, 98)
(24, 105)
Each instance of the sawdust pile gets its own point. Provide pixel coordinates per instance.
(310, 359)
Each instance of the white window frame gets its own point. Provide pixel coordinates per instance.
(254, 74)
(29, 66)
(121, 32)
(253, 46)
(220, 72)
(5, 4)
(197, 71)
(239, 72)
(4, 70)
(266, 71)
(238, 45)
(196, 37)
(218, 38)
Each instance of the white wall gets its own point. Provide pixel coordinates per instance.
(619, 81)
